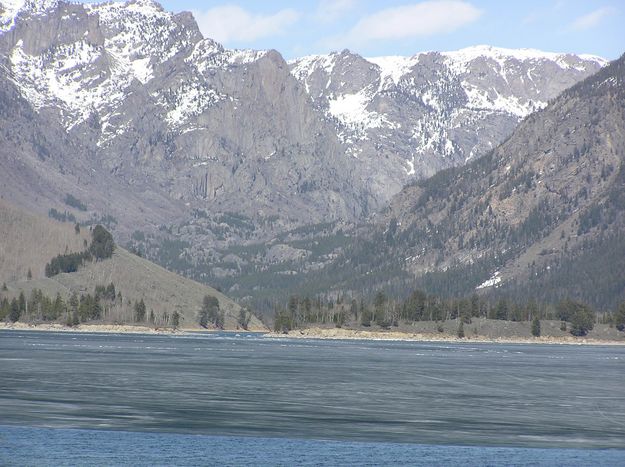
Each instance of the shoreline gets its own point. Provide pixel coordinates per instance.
(357, 334)
(108, 328)
(313, 333)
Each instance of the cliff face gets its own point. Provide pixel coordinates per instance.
(144, 97)
(140, 91)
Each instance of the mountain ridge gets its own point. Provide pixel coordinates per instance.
(158, 104)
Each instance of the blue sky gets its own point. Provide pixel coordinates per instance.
(395, 27)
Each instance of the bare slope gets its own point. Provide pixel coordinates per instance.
(28, 241)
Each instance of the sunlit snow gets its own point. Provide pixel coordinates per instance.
(494, 280)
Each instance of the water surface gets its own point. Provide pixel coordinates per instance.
(235, 387)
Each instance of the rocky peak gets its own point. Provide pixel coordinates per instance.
(412, 116)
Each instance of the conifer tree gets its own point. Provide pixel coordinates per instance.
(140, 311)
(14, 311)
(175, 320)
(582, 321)
(619, 317)
(536, 326)
(22, 303)
(244, 318)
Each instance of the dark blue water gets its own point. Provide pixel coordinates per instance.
(102, 399)
(63, 447)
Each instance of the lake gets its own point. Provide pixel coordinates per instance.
(226, 399)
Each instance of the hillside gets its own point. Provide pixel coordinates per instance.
(542, 215)
(29, 242)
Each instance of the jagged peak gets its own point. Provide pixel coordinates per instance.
(393, 67)
(10, 9)
(141, 7)
(28, 5)
(469, 54)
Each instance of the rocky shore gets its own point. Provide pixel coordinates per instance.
(342, 333)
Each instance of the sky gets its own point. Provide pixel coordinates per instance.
(396, 27)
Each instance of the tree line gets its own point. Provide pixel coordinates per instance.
(576, 317)
(105, 304)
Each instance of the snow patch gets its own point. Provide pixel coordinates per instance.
(410, 170)
(351, 111)
(459, 60)
(483, 99)
(303, 67)
(493, 281)
(190, 99)
(393, 67)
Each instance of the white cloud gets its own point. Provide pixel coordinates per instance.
(331, 10)
(591, 19)
(229, 23)
(417, 20)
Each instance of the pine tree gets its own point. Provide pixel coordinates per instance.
(365, 317)
(29, 274)
(14, 311)
(353, 309)
(244, 318)
(582, 321)
(175, 320)
(619, 317)
(461, 330)
(140, 311)
(22, 303)
(536, 327)
(210, 313)
(102, 244)
(501, 311)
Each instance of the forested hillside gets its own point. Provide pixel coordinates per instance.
(541, 216)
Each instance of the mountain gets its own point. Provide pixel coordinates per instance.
(541, 215)
(167, 112)
(408, 117)
(184, 123)
(235, 167)
(28, 242)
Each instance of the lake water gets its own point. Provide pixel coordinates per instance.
(225, 399)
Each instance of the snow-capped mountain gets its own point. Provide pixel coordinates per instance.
(114, 46)
(416, 115)
(175, 116)
(163, 108)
